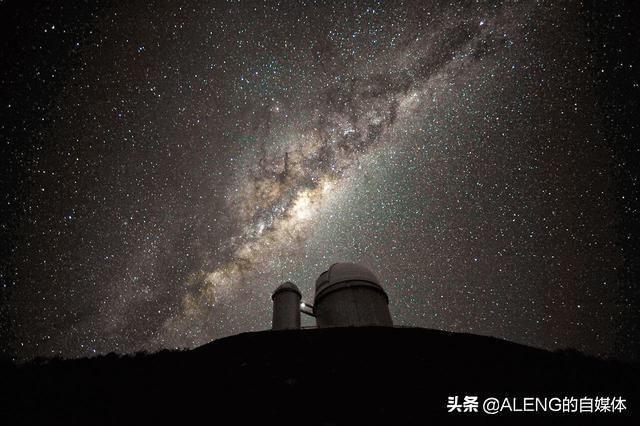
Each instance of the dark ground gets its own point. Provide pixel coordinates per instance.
(322, 376)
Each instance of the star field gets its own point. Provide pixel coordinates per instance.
(168, 165)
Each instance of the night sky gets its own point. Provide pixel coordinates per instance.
(165, 165)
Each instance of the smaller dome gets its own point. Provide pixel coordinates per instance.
(287, 286)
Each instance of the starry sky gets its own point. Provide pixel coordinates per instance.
(167, 164)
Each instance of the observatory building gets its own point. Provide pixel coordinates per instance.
(286, 307)
(347, 295)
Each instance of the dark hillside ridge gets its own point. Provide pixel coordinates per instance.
(365, 375)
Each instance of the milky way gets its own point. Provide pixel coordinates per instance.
(178, 162)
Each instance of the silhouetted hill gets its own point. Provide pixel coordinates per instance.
(370, 375)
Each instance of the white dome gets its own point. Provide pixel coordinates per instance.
(287, 286)
(351, 274)
(341, 272)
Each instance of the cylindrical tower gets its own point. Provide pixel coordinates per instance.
(350, 295)
(286, 307)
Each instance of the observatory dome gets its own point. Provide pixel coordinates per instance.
(286, 307)
(287, 286)
(350, 295)
(346, 272)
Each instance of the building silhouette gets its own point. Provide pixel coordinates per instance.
(346, 295)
